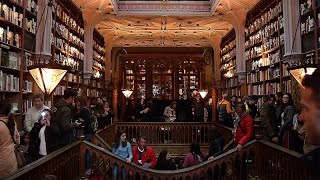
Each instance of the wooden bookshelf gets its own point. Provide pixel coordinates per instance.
(264, 49)
(230, 84)
(310, 30)
(17, 34)
(165, 77)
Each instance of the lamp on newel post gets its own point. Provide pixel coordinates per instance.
(44, 69)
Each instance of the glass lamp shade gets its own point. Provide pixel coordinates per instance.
(48, 77)
(203, 93)
(127, 92)
(299, 73)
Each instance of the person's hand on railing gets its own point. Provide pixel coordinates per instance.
(275, 139)
(210, 158)
(128, 160)
(239, 147)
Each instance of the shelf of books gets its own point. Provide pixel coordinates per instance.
(98, 68)
(230, 84)
(264, 49)
(310, 29)
(68, 44)
(18, 23)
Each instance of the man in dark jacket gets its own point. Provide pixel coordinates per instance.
(310, 114)
(63, 117)
(268, 117)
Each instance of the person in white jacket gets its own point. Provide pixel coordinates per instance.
(170, 112)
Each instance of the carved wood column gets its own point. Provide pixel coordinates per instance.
(90, 19)
(291, 15)
(43, 45)
(115, 100)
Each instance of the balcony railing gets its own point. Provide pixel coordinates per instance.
(257, 159)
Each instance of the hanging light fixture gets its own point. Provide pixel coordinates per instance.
(203, 93)
(47, 76)
(45, 71)
(298, 72)
(127, 92)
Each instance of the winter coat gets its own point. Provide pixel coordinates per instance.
(166, 165)
(63, 118)
(244, 131)
(85, 114)
(287, 119)
(268, 117)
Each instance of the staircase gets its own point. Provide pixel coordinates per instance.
(257, 160)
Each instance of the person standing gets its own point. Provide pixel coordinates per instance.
(243, 126)
(170, 112)
(43, 137)
(310, 115)
(194, 157)
(268, 117)
(32, 114)
(198, 109)
(63, 117)
(9, 135)
(165, 162)
(225, 111)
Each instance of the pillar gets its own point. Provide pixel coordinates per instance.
(43, 45)
(90, 18)
(291, 15)
(115, 100)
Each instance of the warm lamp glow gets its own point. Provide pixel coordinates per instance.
(127, 93)
(299, 73)
(47, 78)
(203, 93)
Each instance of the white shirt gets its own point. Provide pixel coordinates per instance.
(32, 116)
(43, 145)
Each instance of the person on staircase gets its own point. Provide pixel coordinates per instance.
(225, 112)
(310, 115)
(243, 126)
(32, 114)
(268, 117)
(144, 155)
(63, 117)
(122, 148)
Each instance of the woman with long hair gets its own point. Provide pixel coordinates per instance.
(9, 137)
(122, 148)
(164, 161)
(194, 157)
(288, 137)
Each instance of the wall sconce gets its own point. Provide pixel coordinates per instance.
(298, 72)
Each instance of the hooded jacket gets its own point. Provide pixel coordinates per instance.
(244, 131)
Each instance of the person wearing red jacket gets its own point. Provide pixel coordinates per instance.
(243, 126)
(143, 155)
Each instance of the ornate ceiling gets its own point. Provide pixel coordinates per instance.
(131, 23)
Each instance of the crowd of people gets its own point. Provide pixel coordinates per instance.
(194, 109)
(279, 116)
(46, 130)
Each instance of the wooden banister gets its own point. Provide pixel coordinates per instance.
(257, 159)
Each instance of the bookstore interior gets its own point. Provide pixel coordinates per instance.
(98, 47)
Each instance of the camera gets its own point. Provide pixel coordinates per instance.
(43, 116)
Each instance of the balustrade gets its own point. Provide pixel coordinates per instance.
(258, 159)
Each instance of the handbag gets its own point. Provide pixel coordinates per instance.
(21, 160)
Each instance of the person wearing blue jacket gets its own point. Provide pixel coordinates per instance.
(122, 148)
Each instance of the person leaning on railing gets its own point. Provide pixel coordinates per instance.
(310, 114)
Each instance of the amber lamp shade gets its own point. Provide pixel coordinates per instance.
(300, 71)
(47, 76)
